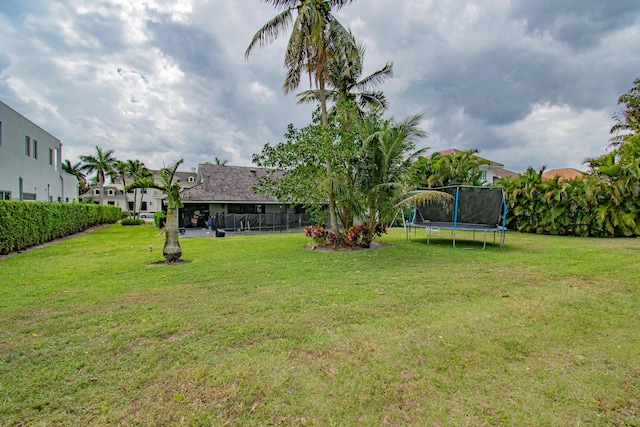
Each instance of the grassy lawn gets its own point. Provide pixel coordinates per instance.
(257, 331)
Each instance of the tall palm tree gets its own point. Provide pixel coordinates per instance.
(346, 82)
(172, 250)
(76, 170)
(122, 172)
(314, 28)
(102, 163)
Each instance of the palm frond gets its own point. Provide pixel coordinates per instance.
(270, 31)
(419, 197)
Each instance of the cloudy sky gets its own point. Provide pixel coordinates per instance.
(528, 83)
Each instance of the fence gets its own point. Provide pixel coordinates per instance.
(261, 222)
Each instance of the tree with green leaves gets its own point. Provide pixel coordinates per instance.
(313, 30)
(172, 250)
(440, 170)
(627, 120)
(102, 164)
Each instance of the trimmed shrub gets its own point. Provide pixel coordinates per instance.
(159, 218)
(26, 224)
(131, 221)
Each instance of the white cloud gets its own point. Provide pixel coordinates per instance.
(515, 79)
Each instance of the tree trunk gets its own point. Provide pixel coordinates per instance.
(325, 123)
(172, 250)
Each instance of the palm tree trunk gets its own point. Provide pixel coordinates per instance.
(325, 122)
(172, 250)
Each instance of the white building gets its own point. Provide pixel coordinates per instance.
(30, 162)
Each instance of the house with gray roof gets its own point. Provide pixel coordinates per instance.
(226, 193)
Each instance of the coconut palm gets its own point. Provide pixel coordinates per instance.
(172, 250)
(102, 163)
(314, 28)
(346, 82)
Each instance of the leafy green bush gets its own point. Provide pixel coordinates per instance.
(159, 218)
(605, 203)
(26, 224)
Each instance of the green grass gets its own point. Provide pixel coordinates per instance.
(256, 330)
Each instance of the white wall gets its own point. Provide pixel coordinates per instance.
(37, 173)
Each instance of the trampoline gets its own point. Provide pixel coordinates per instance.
(470, 208)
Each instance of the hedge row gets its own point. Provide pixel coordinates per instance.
(26, 224)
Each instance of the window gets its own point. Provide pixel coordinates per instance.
(0, 134)
(144, 206)
(111, 192)
(35, 149)
(5, 195)
(55, 159)
(96, 192)
(192, 179)
(111, 203)
(27, 146)
(28, 196)
(51, 156)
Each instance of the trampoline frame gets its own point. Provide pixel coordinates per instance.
(454, 225)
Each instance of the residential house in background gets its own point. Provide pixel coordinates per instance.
(149, 199)
(30, 162)
(563, 173)
(226, 193)
(499, 173)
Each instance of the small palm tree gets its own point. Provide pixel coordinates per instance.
(172, 250)
(76, 170)
(385, 160)
(102, 163)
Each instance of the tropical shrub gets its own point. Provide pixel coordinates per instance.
(159, 218)
(320, 236)
(605, 203)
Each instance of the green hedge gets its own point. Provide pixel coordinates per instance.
(26, 224)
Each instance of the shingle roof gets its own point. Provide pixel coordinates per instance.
(566, 173)
(222, 183)
(503, 173)
(455, 151)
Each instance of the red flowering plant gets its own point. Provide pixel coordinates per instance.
(320, 236)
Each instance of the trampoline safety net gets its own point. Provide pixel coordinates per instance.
(476, 208)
